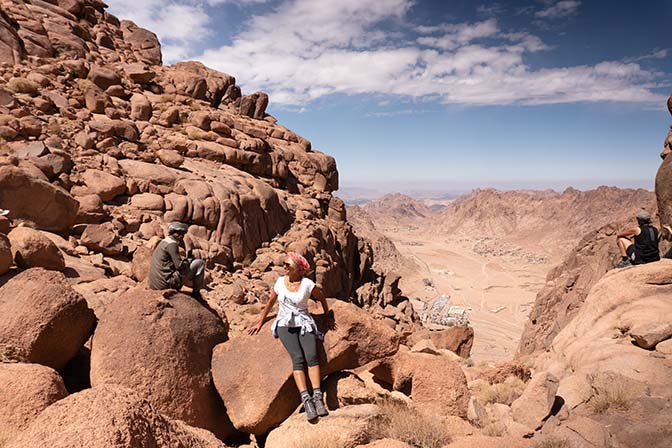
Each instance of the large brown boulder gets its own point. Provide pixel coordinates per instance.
(532, 408)
(42, 319)
(47, 206)
(194, 79)
(596, 339)
(105, 185)
(27, 389)
(102, 238)
(347, 427)
(6, 257)
(435, 383)
(260, 392)
(32, 249)
(144, 43)
(159, 344)
(567, 286)
(109, 417)
(458, 339)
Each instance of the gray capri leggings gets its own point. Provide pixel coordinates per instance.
(302, 349)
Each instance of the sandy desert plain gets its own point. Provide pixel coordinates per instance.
(497, 290)
(490, 251)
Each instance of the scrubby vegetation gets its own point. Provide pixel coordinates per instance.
(505, 392)
(608, 393)
(400, 422)
(22, 85)
(551, 442)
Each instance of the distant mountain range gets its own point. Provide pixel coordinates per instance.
(547, 219)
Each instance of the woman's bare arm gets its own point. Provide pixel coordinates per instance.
(317, 295)
(264, 313)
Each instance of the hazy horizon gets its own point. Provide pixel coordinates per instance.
(435, 190)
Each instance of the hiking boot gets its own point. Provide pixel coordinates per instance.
(319, 406)
(623, 264)
(309, 407)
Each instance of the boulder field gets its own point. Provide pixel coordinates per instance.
(101, 146)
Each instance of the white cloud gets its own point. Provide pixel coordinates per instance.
(558, 10)
(656, 54)
(178, 24)
(302, 50)
(457, 35)
(235, 2)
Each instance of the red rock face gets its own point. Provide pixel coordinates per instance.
(664, 191)
(436, 384)
(110, 417)
(159, 345)
(42, 319)
(105, 146)
(260, 393)
(47, 206)
(27, 390)
(32, 249)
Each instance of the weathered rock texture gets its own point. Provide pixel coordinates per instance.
(27, 389)
(159, 344)
(568, 285)
(597, 344)
(49, 207)
(435, 383)
(664, 181)
(458, 339)
(32, 249)
(42, 319)
(90, 119)
(260, 393)
(109, 416)
(347, 427)
(103, 146)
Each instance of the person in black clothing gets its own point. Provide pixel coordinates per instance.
(644, 249)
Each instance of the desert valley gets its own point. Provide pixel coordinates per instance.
(491, 251)
(103, 146)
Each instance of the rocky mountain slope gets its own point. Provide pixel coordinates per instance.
(545, 218)
(517, 217)
(102, 146)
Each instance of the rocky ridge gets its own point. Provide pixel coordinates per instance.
(103, 146)
(525, 215)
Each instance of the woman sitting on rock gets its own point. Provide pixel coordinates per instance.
(297, 330)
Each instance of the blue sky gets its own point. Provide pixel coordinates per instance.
(446, 94)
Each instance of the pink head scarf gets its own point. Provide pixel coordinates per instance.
(299, 261)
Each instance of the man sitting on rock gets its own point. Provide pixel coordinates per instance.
(644, 249)
(168, 270)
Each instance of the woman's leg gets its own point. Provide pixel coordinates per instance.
(309, 346)
(300, 380)
(290, 339)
